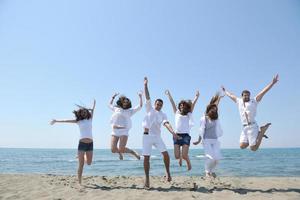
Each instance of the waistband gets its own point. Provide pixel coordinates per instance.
(249, 124)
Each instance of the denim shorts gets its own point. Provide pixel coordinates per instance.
(85, 146)
(185, 139)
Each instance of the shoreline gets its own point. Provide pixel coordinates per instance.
(49, 186)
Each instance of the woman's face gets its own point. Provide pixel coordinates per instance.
(84, 113)
(126, 103)
(213, 112)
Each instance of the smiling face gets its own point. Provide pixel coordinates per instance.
(84, 113)
(212, 111)
(184, 107)
(158, 104)
(246, 96)
(124, 102)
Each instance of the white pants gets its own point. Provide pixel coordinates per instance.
(153, 140)
(249, 134)
(212, 154)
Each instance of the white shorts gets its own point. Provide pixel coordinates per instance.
(212, 149)
(152, 140)
(120, 132)
(249, 134)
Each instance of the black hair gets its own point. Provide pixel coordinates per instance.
(78, 114)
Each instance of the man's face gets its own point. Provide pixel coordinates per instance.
(158, 105)
(246, 97)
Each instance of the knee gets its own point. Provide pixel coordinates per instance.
(114, 150)
(89, 163)
(122, 149)
(177, 156)
(146, 158)
(185, 157)
(253, 148)
(243, 146)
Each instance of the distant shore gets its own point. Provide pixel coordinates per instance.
(126, 187)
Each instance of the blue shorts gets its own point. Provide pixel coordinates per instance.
(85, 146)
(185, 139)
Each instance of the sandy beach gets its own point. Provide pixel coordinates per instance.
(122, 187)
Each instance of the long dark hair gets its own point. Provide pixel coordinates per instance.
(121, 101)
(213, 104)
(187, 106)
(79, 116)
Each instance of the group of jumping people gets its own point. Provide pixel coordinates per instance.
(210, 128)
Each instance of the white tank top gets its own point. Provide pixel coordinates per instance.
(85, 127)
(183, 123)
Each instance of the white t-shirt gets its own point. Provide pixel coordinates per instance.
(154, 119)
(122, 117)
(183, 123)
(249, 108)
(85, 127)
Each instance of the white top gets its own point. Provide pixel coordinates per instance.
(154, 119)
(85, 127)
(219, 131)
(249, 108)
(122, 117)
(183, 123)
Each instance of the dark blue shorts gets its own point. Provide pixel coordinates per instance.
(85, 146)
(185, 139)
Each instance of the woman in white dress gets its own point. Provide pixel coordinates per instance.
(121, 124)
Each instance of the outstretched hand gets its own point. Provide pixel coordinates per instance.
(223, 88)
(145, 80)
(167, 92)
(116, 94)
(140, 93)
(197, 93)
(275, 79)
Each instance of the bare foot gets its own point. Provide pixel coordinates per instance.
(213, 174)
(208, 175)
(168, 178)
(147, 185)
(180, 162)
(121, 156)
(264, 128)
(189, 166)
(136, 155)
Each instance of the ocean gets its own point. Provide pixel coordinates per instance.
(279, 162)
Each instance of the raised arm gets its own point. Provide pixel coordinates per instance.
(141, 99)
(93, 108)
(230, 95)
(110, 105)
(146, 88)
(171, 100)
(267, 88)
(53, 121)
(195, 100)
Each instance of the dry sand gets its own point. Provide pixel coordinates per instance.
(122, 187)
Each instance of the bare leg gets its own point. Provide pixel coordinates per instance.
(80, 165)
(167, 165)
(261, 133)
(89, 157)
(124, 149)
(177, 152)
(185, 156)
(147, 169)
(244, 145)
(114, 148)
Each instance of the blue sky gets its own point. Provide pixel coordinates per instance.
(54, 54)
